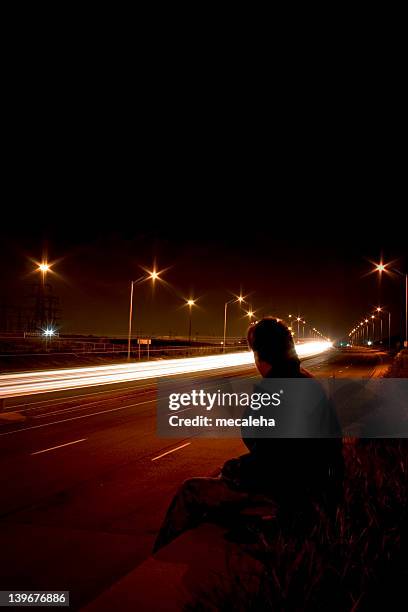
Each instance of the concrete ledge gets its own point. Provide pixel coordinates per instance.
(201, 565)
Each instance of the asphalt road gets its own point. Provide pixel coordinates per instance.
(85, 480)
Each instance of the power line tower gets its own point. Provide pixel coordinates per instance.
(43, 310)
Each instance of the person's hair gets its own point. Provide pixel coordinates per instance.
(273, 343)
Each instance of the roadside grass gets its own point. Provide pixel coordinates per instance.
(358, 561)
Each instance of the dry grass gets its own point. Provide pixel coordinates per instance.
(359, 561)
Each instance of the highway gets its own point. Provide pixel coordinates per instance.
(85, 480)
(47, 381)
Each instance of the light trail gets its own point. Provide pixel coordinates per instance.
(30, 383)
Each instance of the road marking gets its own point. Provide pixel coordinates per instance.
(173, 450)
(79, 407)
(46, 450)
(73, 398)
(83, 416)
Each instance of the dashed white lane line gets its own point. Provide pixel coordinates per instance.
(83, 416)
(47, 450)
(173, 450)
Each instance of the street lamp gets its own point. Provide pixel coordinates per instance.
(190, 303)
(152, 275)
(385, 268)
(238, 299)
(380, 310)
(250, 313)
(373, 322)
(298, 319)
(44, 267)
(42, 309)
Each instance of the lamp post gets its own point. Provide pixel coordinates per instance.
(153, 276)
(385, 268)
(379, 309)
(240, 299)
(389, 330)
(42, 312)
(190, 303)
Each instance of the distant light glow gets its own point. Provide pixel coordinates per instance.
(49, 332)
(44, 267)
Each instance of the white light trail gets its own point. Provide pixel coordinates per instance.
(30, 383)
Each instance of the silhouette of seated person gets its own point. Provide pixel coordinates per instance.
(298, 464)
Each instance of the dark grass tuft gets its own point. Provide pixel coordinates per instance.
(358, 561)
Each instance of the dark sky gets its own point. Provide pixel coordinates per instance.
(289, 203)
(284, 189)
(290, 260)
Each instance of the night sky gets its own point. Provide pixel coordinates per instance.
(288, 260)
(287, 203)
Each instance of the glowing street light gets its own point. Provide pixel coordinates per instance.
(385, 268)
(49, 332)
(44, 267)
(380, 267)
(239, 299)
(250, 314)
(151, 275)
(381, 310)
(373, 322)
(190, 303)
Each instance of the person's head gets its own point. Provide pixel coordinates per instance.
(273, 347)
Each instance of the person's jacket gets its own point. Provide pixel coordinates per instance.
(292, 465)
